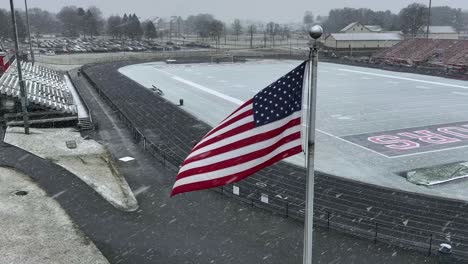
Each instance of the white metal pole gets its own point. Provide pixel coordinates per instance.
(429, 19)
(315, 32)
(29, 31)
(23, 91)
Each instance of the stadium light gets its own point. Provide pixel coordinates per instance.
(429, 19)
(29, 31)
(20, 73)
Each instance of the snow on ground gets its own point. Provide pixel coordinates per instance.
(35, 229)
(351, 100)
(90, 161)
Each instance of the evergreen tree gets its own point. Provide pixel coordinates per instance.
(125, 25)
(150, 30)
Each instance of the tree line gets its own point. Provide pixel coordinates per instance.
(72, 21)
(409, 20)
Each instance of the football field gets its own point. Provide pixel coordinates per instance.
(372, 125)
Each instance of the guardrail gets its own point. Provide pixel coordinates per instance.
(391, 231)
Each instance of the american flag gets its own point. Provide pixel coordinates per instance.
(261, 132)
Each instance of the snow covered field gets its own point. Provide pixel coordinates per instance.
(354, 104)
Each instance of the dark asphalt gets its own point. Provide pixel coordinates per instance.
(199, 227)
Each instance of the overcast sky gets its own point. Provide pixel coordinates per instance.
(262, 10)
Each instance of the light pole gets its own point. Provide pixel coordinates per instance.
(20, 73)
(29, 31)
(429, 19)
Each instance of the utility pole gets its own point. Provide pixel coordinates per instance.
(29, 31)
(20, 73)
(429, 19)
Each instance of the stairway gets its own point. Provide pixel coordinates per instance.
(85, 123)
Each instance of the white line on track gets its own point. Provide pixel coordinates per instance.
(460, 93)
(406, 79)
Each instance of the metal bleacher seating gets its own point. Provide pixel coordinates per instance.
(46, 88)
(441, 52)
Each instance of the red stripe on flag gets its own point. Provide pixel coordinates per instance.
(237, 176)
(240, 107)
(230, 133)
(240, 159)
(244, 142)
(232, 121)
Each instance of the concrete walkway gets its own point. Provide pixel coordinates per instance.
(35, 229)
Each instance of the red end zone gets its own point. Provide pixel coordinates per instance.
(416, 140)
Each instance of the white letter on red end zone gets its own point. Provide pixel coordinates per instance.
(393, 142)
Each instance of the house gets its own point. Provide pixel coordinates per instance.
(357, 27)
(439, 32)
(362, 40)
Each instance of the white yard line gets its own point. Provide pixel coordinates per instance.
(424, 152)
(354, 144)
(208, 90)
(203, 88)
(422, 87)
(406, 79)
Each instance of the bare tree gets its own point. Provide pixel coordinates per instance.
(285, 32)
(113, 26)
(413, 17)
(308, 20)
(273, 29)
(237, 28)
(252, 29)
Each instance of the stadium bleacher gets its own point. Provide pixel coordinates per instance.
(430, 52)
(46, 89)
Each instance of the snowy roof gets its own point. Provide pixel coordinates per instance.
(439, 29)
(349, 26)
(366, 36)
(374, 28)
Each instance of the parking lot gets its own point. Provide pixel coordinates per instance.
(59, 45)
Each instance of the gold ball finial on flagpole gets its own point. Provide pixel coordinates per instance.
(316, 32)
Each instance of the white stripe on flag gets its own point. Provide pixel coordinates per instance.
(246, 134)
(239, 122)
(240, 151)
(238, 168)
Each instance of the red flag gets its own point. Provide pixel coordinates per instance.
(261, 132)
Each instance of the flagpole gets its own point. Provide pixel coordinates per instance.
(315, 33)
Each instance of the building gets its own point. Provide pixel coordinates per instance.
(362, 40)
(357, 27)
(439, 32)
